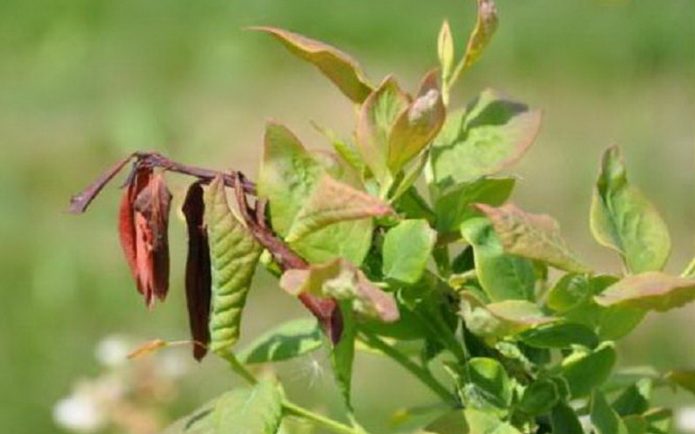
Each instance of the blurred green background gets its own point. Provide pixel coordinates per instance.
(83, 82)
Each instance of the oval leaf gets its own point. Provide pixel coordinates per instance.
(652, 291)
(286, 341)
(406, 250)
(586, 370)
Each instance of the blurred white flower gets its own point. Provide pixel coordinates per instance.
(685, 419)
(79, 413)
(173, 364)
(112, 351)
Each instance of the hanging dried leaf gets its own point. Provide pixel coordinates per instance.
(198, 273)
(80, 202)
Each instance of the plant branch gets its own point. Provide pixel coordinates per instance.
(422, 374)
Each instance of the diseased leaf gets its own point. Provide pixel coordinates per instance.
(343, 281)
(624, 220)
(491, 135)
(198, 270)
(586, 370)
(534, 236)
(604, 419)
(417, 125)
(286, 341)
(374, 123)
(406, 250)
(333, 202)
(502, 276)
(234, 254)
(485, 27)
(287, 176)
(652, 290)
(453, 207)
(340, 68)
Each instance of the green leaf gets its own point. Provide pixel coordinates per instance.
(340, 68)
(488, 387)
(454, 422)
(417, 125)
(565, 421)
(534, 236)
(445, 51)
(539, 397)
(492, 134)
(343, 281)
(682, 378)
(634, 400)
(603, 418)
(286, 341)
(287, 175)
(454, 206)
(504, 318)
(250, 410)
(624, 220)
(659, 420)
(485, 27)
(559, 335)
(586, 370)
(333, 202)
(234, 254)
(570, 292)
(652, 290)
(376, 117)
(406, 250)
(502, 276)
(635, 424)
(481, 422)
(343, 355)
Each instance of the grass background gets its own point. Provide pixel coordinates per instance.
(83, 82)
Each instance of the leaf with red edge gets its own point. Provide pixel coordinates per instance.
(198, 271)
(340, 68)
(80, 201)
(652, 290)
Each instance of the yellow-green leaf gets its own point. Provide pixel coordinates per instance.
(534, 236)
(340, 68)
(652, 290)
(407, 248)
(626, 221)
(604, 419)
(445, 51)
(234, 254)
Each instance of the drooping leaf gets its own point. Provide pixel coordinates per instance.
(624, 220)
(534, 236)
(564, 420)
(488, 386)
(454, 206)
(445, 51)
(539, 397)
(492, 134)
(604, 419)
(234, 253)
(406, 250)
(341, 280)
(332, 202)
(585, 370)
(485, 27)
(652, 290)
(286, 341)
(198, 270)
(287, 176)
(417, 125)
(374, 123)
(80, 201)
(559, 335)
(502, 276)
(340, 68)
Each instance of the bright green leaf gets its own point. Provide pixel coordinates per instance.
(624, 220)
(651, 290)
(534, 236)
(586, 370)
(406, 250)
(286, 341)
(492, 134)
(340, 68)
(502, 276)
(604, 419)
(234, 254)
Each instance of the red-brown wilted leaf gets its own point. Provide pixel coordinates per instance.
(80, 201)
(126, 220)
(198, 272)
(151, 208)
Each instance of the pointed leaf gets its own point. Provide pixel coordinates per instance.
(624, 220)
(485, 27)
(332, 202)
(502, 276)
(651, 290)
(565, 421)
(286, 341)
(445, 51)
(234, 255)
(604, 419)
(559, 335)
(340, 68)
(533, 236)
(407, 249)
(343, 355)
(417, 125)
(492, 134)
(198, 270)
(80, 201)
